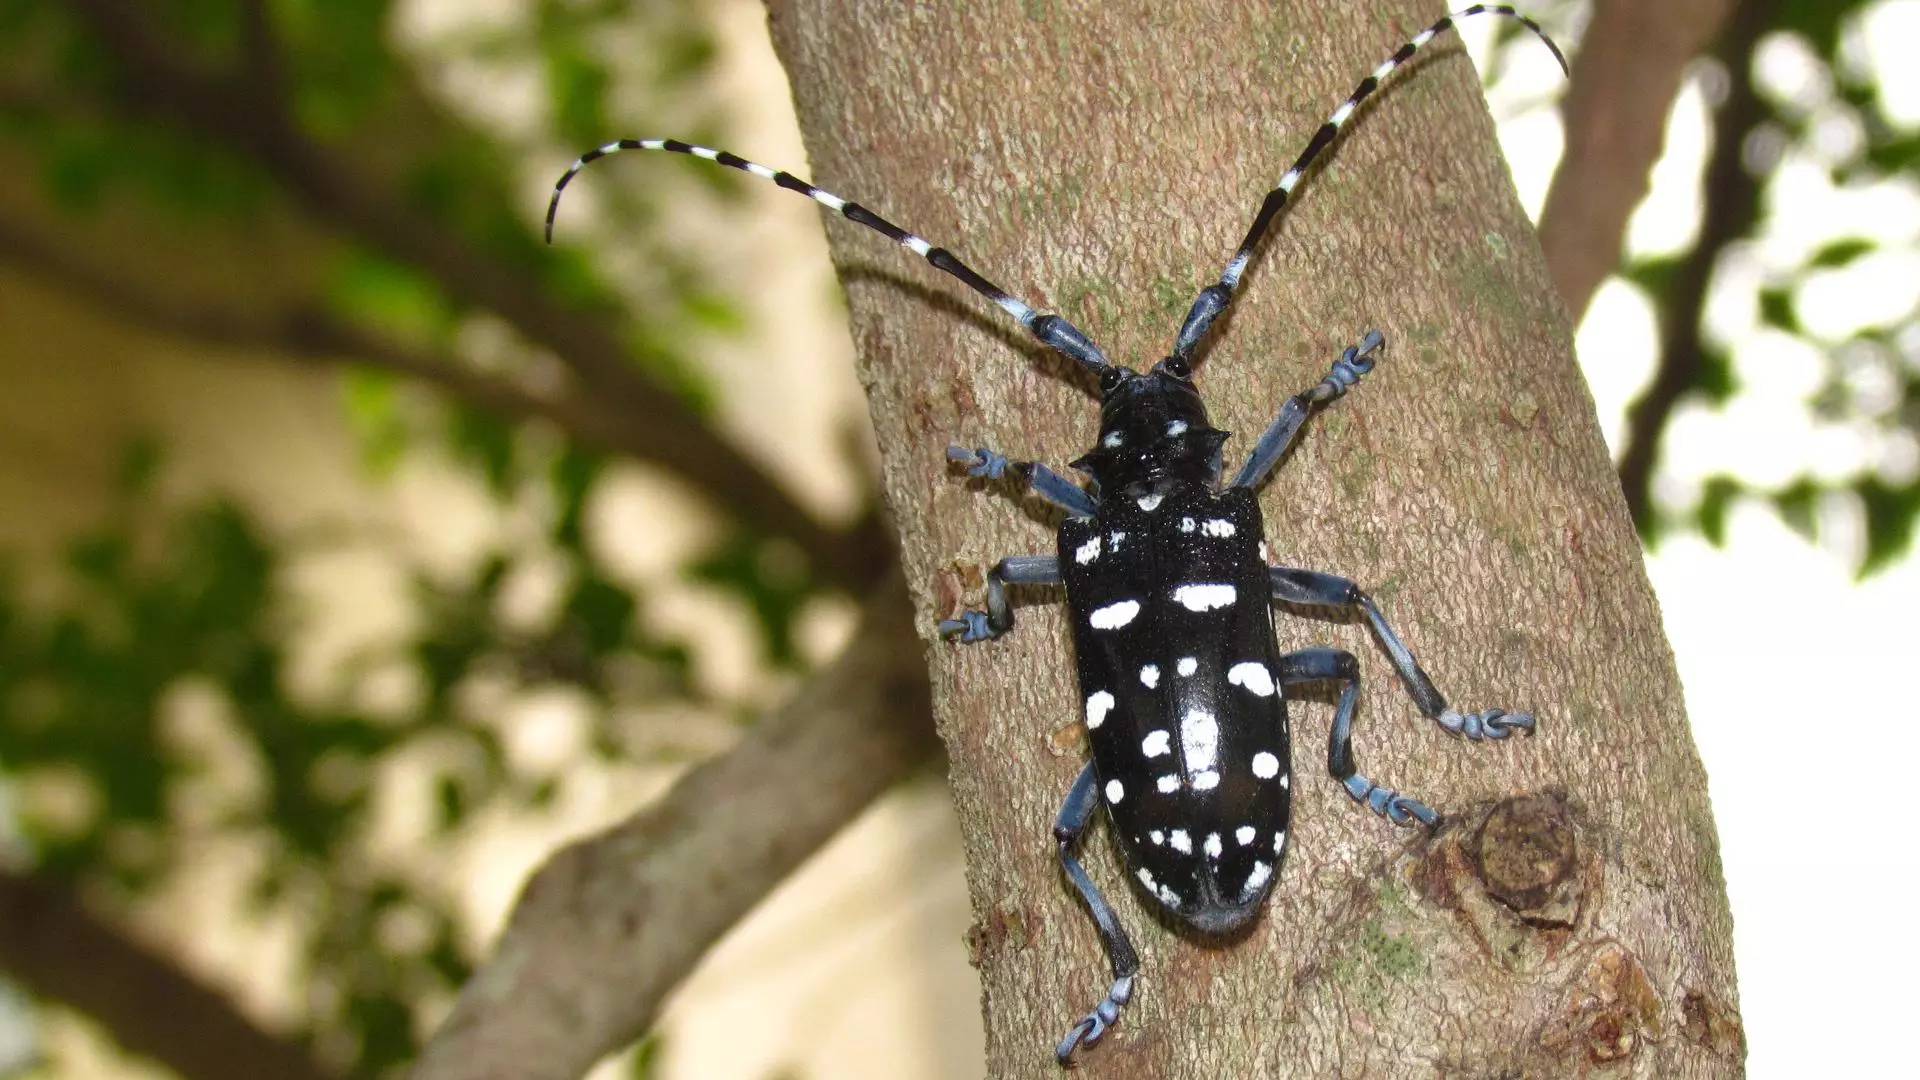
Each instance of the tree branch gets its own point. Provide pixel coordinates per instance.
(1625, 77)
(61, 952)
(1732, 193)
(611, 923)
(225, 109)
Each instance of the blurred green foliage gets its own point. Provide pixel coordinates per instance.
(170, 595)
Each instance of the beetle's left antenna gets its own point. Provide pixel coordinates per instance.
(1052, 330)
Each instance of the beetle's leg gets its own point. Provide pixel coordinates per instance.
(1279, 436)
(1325, 590)
(1338, 665)
(1042, 481)
(974, 626)
(1075, 813)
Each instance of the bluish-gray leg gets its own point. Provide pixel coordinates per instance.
(1325, 590)
(1279, 436)
(1338, 665)
(973, 625)
(1075, 813)
(991, 465)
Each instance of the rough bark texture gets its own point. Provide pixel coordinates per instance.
(1104, 161)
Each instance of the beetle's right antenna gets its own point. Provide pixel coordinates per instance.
(1214, 299)
(1052, 330)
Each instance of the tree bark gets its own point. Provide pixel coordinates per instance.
(1103, 161)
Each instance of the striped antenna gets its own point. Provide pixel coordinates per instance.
(1052, 330)
(1215, 298)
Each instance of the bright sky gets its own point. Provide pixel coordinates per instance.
(1795, 674)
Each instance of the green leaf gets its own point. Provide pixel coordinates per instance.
(1841, 253)
(1891, 512)
(1715, 501)
(1776, 310)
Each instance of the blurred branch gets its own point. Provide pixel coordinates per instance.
(61, 952)
(1732, 207)
(604, 930)
(665, 431)
(315, 336)
(1625, 78)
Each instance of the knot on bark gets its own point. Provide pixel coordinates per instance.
(1607, 1012)
(1526, 854)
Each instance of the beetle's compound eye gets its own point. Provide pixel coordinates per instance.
(1111, 378)
(1175, 367)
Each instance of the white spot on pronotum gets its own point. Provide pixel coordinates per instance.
(1279, 841)
(1179, 841)
(1168, 784)
(1155, 744)
(1112, 440)
(1187, 665)
(1186, 525)
(1114, 616)
(1150, 676)
(1244, 834)
(1199, 739)
(1177, 428)
(1256, 880)
(1098, 704)
(1206, 781)
(1212, 846)
(917, 246)
(1087, 552)
(1265, 765)
(1204, 597)
(1115, 791)
(1218, 527)
(834, 202)
(1252, 675)
(1150, 502)
(705, 152)
(1340, 114)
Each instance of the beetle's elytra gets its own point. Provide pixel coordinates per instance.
(1169, 588)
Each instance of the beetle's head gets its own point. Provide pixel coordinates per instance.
(1153, 428)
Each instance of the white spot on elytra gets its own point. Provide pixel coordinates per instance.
(1252, 675)
(1114, 540)
(1150, 676)
(1169, 897)
(1114, 616)
(1187, 665)
(1155, 744)
(1279, 841)
(1265, 555)
(1179, 841)
(1146, 877)
(1150, 502)
(1286, 781)
(1098, 704)
(1115, 791)
(1113, 439)
(1212, 845)
(1186, 525)
(1168, 784)
(1244, 834)
(1204, 597)
(1157, 837)
(1265, 765)
(1220, 527)
(1199, 739)
(1206, 781)
(1177, 428)
(1256, 880)
(1087, 552)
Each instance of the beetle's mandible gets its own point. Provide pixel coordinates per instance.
(1169, 587)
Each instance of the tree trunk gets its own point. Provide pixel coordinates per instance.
(1103, 161)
